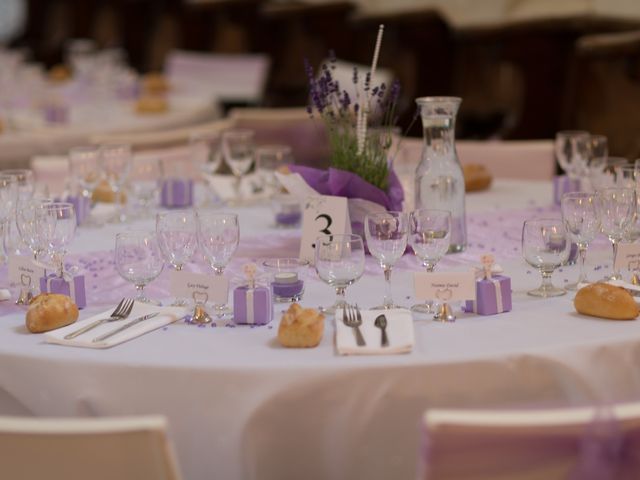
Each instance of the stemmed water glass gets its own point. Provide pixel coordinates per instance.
(268, 159)
(546, 247)
(25, 181)
(8, 194)
(206, 152)
(116, 163)
(84, 165)
(26, 220)
(572, 148)
(144, 183)
(386, 234)
(138, 260)
(56, 225)
(429, 237)
(218, 237)
(177, 237)
(238, 150)
(582, 223)
(617, 210)
(339, 261)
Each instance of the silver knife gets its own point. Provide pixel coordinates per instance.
(124, 327)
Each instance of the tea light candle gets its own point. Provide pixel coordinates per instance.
(287, 286)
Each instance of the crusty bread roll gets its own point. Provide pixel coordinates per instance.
(151, 104)
(49, 311)
(476, 177)
(155, 84)
(59, 73)
(105, 194)
(606, 301)
(301, 327)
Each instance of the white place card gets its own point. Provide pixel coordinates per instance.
(628, 257)
(322, 215)
(24, 272)
(200, 288)
(445, 286)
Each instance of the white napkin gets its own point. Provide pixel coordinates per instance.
(399, 332)
(166, 316)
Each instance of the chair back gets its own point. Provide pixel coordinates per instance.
(135, 448)
(585, 443)
(229, 77)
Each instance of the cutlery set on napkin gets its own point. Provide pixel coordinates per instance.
(129, 320)
(373, 332)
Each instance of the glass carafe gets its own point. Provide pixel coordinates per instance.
(439, 179)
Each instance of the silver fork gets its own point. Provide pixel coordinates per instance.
(351, 318)
(121, 312)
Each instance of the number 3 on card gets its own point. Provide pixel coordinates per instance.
(323, 215)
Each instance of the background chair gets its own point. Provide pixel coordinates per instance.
(135, 448)
(532, 444)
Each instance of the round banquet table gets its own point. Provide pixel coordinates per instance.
(241, 407)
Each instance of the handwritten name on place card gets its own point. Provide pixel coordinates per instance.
(201, 288)
(628, 257)
(22, 271)
(445, 286)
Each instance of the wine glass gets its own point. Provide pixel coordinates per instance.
(617, 209)
(598, 155)
(8, 195)
(84, 165)
(138, 260)
(386, 234)
(581, 221)
(25, 182)
(268, 159)
(218, 236)
(116, 163)
(206, 152)
(603, 175)
(429, 237)
(26, 220)
(144, 183)
(545, 246)
(572, 151)
(339, 261)
(238, 150)
(177, 238)
(56, 224)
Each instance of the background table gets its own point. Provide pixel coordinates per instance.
(240, 406)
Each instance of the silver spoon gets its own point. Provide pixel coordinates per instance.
(381, 323)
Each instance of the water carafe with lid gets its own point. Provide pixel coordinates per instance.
(439, 180)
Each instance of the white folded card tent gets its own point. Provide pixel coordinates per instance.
(132, 448)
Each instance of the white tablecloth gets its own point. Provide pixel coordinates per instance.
(242, 407)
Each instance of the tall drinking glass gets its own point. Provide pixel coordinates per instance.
(218, 236)
(138, 260)
(546, 247)
(429, 237)
(144, 184)
(268, 159)
(26, 220)
(582, 223)
(25, 181)
(572, 149)
(206, 152)
(238, 149)
(8, 196)
(617, 210)
(386, 234)
(116, 163)
(56, 223)
(84, 165)
(339, 261)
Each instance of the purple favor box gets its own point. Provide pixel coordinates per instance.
(492, 296)
(52, 283)
(563, 184)
(252, 306)
(177, 193)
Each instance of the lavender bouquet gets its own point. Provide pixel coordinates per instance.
(360, 136)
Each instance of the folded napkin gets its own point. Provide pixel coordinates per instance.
(399, 332)
(166, 315)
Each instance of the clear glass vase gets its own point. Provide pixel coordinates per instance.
(439, 180)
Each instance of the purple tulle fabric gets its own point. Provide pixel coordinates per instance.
(347, 184)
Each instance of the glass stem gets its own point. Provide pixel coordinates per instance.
(217, 270)
(140, 289)
(236, 185)
(341, 298)
(546, 280)
(616, 274)
(178, 267)
(582, 252)
(388, 301)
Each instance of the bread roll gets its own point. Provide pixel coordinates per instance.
(606, 301)
(301, 327)
(105, 194)
(49, 311)
(155, 84)
(59, 73)
(151, 105)
(476, 177)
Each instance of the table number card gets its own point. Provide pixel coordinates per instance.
(323, 215)
(628, 257)
(200, 288)
(445, 287)
(24, 272)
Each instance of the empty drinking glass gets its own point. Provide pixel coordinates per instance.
(238, 150)
(339, 261)
(138, 260)
(26, 220)
(617, 210)
(144, 184)
(268, 159)
(8, 195)
(116, 163)
(546, 247)
(206, 152)
(386, 234)
(218, 236)
(84, 165)
(582, 223)
(572, 148)
(56, 223)
(25, 181)
(429, 237)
